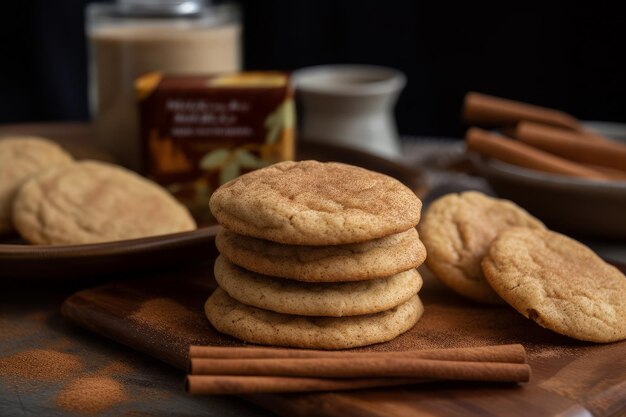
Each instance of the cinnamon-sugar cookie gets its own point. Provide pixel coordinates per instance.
(265, 327)
(315, 203)
(559, 283)
(316, 299)
(20, 159)
(376, 258)
(457, 230)
(89, 202)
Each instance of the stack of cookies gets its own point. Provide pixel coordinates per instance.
(316, 255)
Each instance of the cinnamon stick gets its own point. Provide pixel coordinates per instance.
(489, 110)
(520, 154)
(572, 146)
(614, 174)
(237, 385)
(366, 367)
(514, 353)
(592, 137)
(582, 135)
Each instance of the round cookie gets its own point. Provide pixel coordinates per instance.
(559, 283)
(20, 159)
(457, 230)
(318, 299)
(90, 202)
(376, 258)
(315, 203)
(264, 327)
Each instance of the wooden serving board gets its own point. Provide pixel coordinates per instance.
(162, 315)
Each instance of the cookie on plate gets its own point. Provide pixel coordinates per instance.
(315, 203)
(90, 202)
(457, 230)
(316, 299)
(376, 258)
(559, 283)
(265, 327)
(20, 159)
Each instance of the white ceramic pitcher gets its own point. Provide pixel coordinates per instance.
(350, 105)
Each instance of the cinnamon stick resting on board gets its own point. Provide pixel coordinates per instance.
(367, 367)
(262, 370)
(238, 385)
(501, 353)
(516, 153)
(489, 110)
(570, 145)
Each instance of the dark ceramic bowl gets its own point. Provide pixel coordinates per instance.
(573, 205)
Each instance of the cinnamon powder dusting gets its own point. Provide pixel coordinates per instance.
(116, 368)
(165, 314)
(90, 395)
(40, 364)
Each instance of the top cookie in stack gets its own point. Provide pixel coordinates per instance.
(316, 255)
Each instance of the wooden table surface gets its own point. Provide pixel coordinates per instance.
(30, 319)
(161, 316)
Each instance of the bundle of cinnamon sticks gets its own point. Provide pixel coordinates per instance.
(541, 139)
(252, 370)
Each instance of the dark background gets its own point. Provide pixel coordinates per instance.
(557, 54)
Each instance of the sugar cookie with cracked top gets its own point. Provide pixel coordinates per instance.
(457, 230)
(559, 283)
(376, 258)
(90, 202)
(265, 327)
(315, 203)
(21, 157)
(316, 299)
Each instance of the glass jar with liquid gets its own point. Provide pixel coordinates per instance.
(133, 37)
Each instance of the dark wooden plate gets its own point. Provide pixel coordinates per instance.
(70, 261)
(100, 259)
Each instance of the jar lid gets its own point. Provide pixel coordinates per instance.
(160, 8)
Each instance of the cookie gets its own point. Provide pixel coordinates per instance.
(20, 159)
(457, 230)
(559, 283)
(89, 202)
(265, 327)
(376, 258)
(315, 203)
(318, 299)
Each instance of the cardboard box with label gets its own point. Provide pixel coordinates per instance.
(199, 132)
